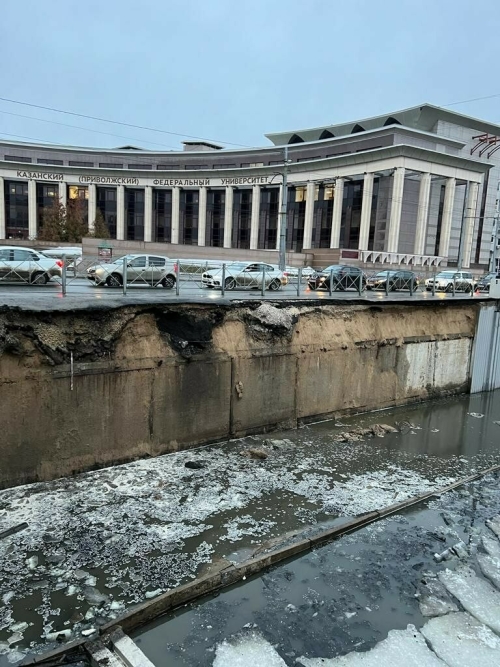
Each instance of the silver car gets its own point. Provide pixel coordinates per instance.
(245, 275)
(26, 265)
(152, 270)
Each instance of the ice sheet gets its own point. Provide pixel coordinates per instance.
(402, 648)
(248, 651)
(477, 596)
(490, 567)
(491, 546)
(462, 641)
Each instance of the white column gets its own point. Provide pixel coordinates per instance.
(422, 214)
(148, 213)
(449, 198)
(202, 215)
(309, 216)
(32, 216)
(92, 206)
(255, 218)
(2, 209)
(228, 217)
(120, 213)
(176, 203)
(398, 184)
(63, 194)
(366, 212)
(470, 218)
(338, 199)
(278, 225)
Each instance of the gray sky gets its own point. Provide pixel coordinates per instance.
(232, 70)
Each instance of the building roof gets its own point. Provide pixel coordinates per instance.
(423, 117)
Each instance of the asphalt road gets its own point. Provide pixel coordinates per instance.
(81, 294)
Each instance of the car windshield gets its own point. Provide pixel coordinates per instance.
(446, 274)
(383, 274)
(119, 260)
(334, 267)
(238, 266)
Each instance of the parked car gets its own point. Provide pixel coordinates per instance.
(73, 256)
(27, 266)
(343, 277)
(482, 284)
(245, 275)
(292, 273)
(393, 280)
(141, 270)
(445, 280)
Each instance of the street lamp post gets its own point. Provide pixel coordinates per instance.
(283, 214)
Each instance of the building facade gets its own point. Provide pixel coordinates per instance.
(417, 186)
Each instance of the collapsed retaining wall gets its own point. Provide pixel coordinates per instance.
(94, 387)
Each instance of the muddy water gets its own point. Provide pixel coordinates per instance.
(139, 529)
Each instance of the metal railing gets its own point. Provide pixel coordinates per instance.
(185, 277)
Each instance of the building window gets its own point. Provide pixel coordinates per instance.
(43, 160)
(110, 165)
(225, 165)
(242, 216)
(216, 200)
(17, 158)
(322, 218)
(188, 217)
(140, 166)
(296, 215)
(106, 203)
(134, 214)
(76, 163)
(162, 216)
(166, 167)
(196, 166)
(300, 193)
(78, 192)
(16, 209)
(268, 218)
(252, 164)
(45, 197)
(351, 214)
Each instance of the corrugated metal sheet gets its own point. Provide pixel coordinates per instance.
(485, 358)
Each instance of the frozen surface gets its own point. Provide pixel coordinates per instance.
(462, 641)
(494, 525)
(402, 648)
(476, 595)
(249, 651)
(490, 567)
(491, 546)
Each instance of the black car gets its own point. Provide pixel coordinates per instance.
(341, 276)
(393, 280)
(483, 283)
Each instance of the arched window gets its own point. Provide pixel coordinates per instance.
(326, 134)
(391, 121)
(357, 128)
(295, 139)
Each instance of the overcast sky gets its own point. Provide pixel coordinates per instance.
(232, 70)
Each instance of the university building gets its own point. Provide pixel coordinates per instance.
(417, 186)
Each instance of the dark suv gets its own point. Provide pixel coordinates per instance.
(393, 280)
(341, 276)
(483, 284)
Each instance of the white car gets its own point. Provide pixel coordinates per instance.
(25, 265)
(150, 270)
(245, 275)
(292, 273)
(444, 281)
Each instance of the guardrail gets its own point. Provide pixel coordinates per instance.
(189, 277)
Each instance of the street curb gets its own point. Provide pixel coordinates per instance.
(229, 575)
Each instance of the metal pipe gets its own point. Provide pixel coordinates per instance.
(299, 280)
(63, 273)
(177, 277)
(124, 281)
(223, 279)
(330, 290)
(283, 213)
(263, 286)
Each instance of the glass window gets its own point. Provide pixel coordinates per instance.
(138, 261)
(17, 158)
(157, 261)
(21, 255)
(78, 192)
(300, 194)
(79, 163)
(4, 255)
(43, 160)
(111, 165)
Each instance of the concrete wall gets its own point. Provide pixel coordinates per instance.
(153, 379)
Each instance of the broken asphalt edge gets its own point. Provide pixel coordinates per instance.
(232, 574)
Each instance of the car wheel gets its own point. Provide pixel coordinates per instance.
(114, 280)
(168, 282)
(468, 289)
(229, 283)
(39, 278)
(392, 287)
(449, 288)
(275, 285)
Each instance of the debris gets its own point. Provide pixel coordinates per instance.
(239, 389)
(430, 605)
(278, 444)
(88, 632)
(388, 428)
(194, 465)
(434, 430)
(442, 556)
(13, 529)
(32, 562)
(254, 454)
(460, 550)
(477, 415)
(152, 594)
(58, 636)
